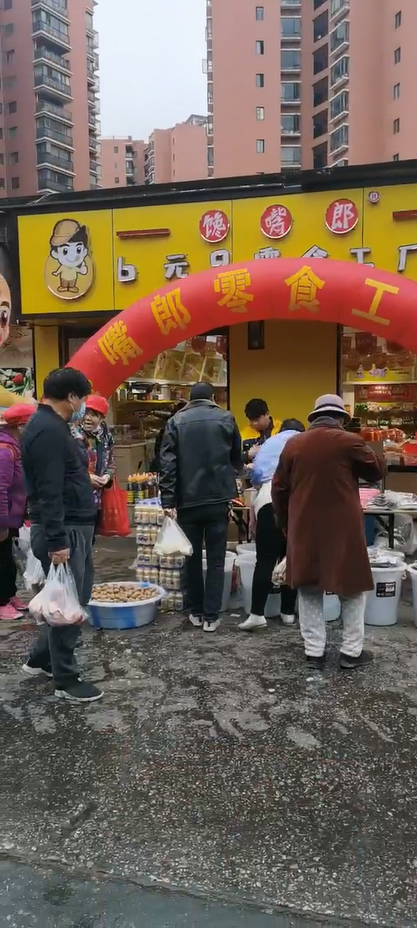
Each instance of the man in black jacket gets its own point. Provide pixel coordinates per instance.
(62, 512)
(200, 452)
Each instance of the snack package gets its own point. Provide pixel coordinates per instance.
(58, 602)
(172, 540)
(278, 576)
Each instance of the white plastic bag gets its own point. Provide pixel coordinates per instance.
(172, 540)
(58, 602)
(278, 576)
(33, 575)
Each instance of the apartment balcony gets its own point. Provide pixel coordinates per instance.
(54, 135)
(46, 159)
(93, 143)
(47, 85)
(291, 126)
(91, 76)
(55, 37)
(95, 168)
(339, 39)
(47, 182)
(291, 6)
(92, 119)
(44, 107)
(52, 6)
(290, 30)
(338, 9)
(43, 54)
(130, 168)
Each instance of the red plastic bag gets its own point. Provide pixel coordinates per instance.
(114, 518)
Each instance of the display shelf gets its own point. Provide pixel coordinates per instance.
(172, 383)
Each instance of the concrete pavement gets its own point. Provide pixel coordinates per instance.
(218, 766)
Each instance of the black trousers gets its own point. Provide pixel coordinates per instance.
(207, 523)
(7, 571)
(271, 546)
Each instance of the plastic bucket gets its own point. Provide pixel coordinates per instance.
(248, 547)
(125, 615)
(382, 603)
(246, 564)
(228, 576)
(413, 574)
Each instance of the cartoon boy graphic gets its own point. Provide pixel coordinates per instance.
(69, 246)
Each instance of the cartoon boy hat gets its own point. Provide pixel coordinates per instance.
(65, 231)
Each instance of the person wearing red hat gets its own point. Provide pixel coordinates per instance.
(12, 505)
(100, 446)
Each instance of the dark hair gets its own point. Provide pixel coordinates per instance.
(292, 425)
(65, 380)
(256, 408)
(80, 236)
(201, 391)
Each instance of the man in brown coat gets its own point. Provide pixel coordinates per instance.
(316, 501)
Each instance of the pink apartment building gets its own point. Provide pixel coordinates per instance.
(122, 161)
(48, 97)
(177, 154)
(309, 83)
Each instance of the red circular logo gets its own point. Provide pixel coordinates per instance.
(214, 226)
(276, 221)
(341, 216)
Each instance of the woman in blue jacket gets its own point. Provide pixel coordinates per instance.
(270, 542)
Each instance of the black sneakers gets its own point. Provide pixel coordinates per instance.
(352, 663)
(315, 663)
(79, 692)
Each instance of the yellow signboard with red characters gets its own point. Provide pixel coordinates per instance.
(106, 260)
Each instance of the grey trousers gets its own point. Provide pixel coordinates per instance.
(54, 649)
(313, 625)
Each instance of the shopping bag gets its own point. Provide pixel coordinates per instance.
(172, 540)
(279, 572)
(33, 575)
(58, 602)
(114, 517)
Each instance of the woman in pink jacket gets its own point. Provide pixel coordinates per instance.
(12, 505)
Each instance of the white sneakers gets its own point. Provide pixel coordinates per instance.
(254, 621)
(287, 619)
(208, 625)
(196, 620)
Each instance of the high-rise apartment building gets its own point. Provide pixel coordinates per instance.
(309, 83)
(122, 161)
(48, 97)
(177, 154)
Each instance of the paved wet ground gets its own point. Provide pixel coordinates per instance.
(216, 766)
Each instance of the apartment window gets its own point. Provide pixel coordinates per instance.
(318, 3)
(14, 157)
(12, 132)
(290, 60)
(116, 149)
(260, 146)
(210, 156)
(321, 58)
(396, 157)
(398, 18)
(260, 113)
(8, 29)
(291, 27)
(320, 26)
(15, 183)
(117, 180)
(339, 138)
(260, 47)
(339, 104)
(11, 107)
(396, 91)
(397, 56)
(339, 36)
(1, 158)
(290, 91)
(335, 6)
(7, 4)
(9, 56)
(260, 80)
(259, 13)
(291, 155)
(9, 82)
(396, 126)
(2, 183)
(339, 71)
(290, 124)
(1, 133)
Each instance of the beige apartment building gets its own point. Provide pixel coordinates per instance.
(309, 83)
(48, 97)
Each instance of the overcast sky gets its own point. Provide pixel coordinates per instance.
(151, 55)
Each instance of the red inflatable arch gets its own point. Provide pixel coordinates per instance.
(278, 288)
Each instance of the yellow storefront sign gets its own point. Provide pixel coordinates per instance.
(105, 260)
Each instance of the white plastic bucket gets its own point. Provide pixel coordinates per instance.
(382, 603)
(228, 576)
(331, 607)
(248, 547)
(246, 564)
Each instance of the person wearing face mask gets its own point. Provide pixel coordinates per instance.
(12, 505)
(63, 512)
(99, 446)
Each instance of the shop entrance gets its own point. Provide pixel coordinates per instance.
(320, 290)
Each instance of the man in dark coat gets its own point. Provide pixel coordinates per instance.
(200, 452)
(315, 495)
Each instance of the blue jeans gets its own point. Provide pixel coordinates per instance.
(54, 649)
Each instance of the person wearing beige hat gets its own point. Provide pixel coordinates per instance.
(315, 494)
(69, 246)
